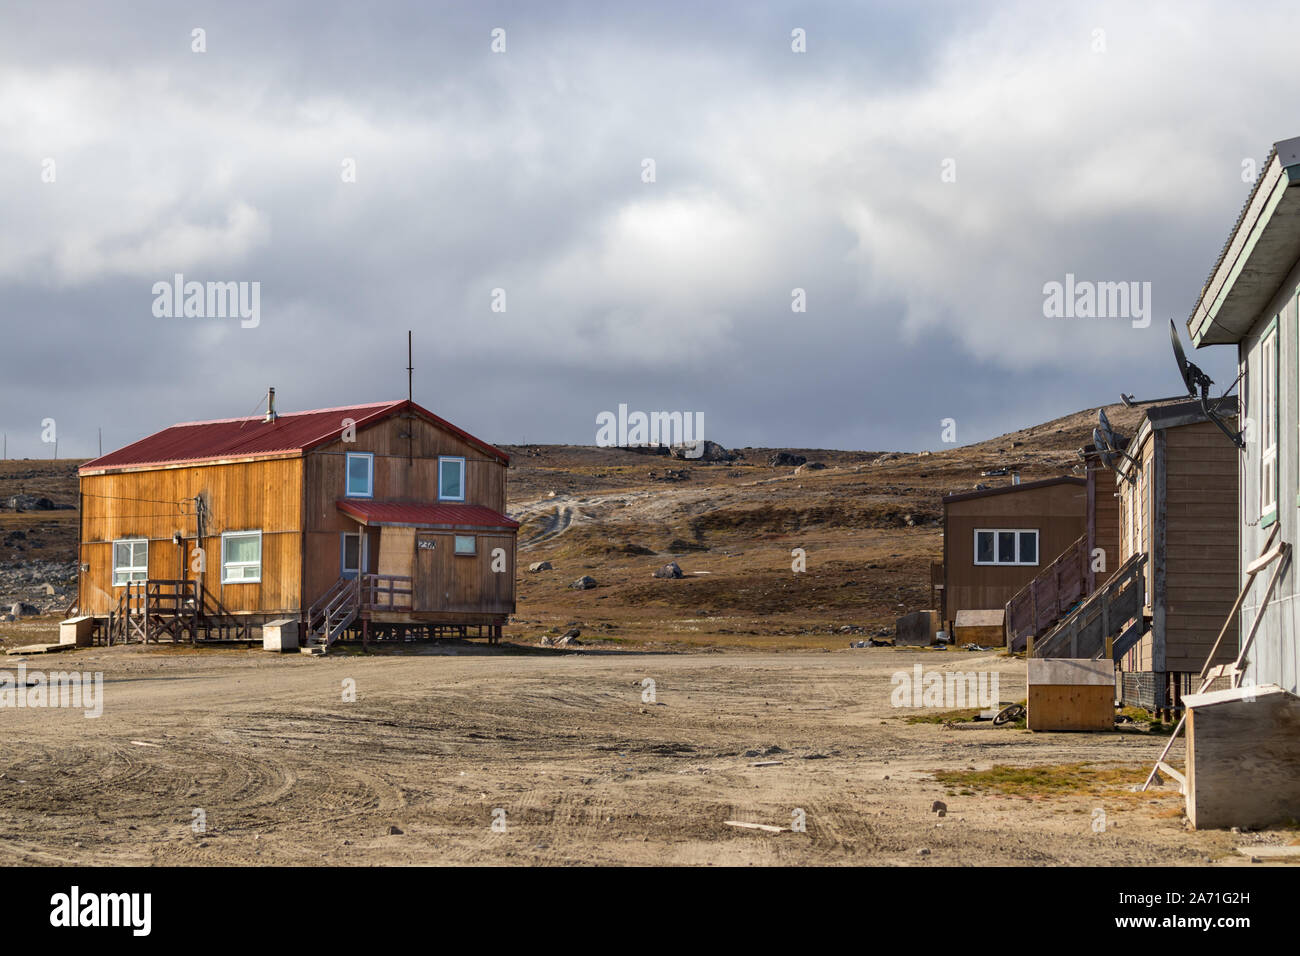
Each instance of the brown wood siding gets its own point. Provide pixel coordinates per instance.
(1058, 512)
(242, 496)
(448, 582)
(1106, 518)
(1132, 511)
(1201, 544)
(397, 479)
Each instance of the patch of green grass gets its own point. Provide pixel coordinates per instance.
(1051, 778)
(944, 717)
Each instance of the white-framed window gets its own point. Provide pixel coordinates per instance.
(1268, 426)
(241, 557)
(130, 560)
(451, 479)
(360, 475)
(352, 554)
(1006, 546)
(466, 544)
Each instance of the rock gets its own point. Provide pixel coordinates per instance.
(809, 466)
(937, 806)
(29, 503)
(394, 831)
(922, 852)
(539, 566)
(584, 583)
(691, 451)
(22, 609)
(669, 570)
(573, 632)
(48, 589)
(783, 459)
(546, 641)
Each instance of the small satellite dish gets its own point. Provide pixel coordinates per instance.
(1194, 379)
(1103, 450)
(1103, 436)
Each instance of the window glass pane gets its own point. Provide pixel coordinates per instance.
(121, 554)
(351, 552)
(450, 481)
(1028, 547)
(984, 547)
(465, 544)
(243, 548)
(1006, 547)
(358, 475)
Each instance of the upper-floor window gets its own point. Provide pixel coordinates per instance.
(451, 479)
(1006, 546)
(1268, 426)
(360, 475)
(241, 557)
(130, 560)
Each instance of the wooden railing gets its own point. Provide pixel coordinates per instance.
(381, 592)
(1046, 599)
(1114, 613)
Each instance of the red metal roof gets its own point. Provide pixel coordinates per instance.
(241, 438)
(424, 515)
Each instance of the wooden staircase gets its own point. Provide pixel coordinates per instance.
(331, 614)
(1110, 618)
(159, 609)
(1050, 596)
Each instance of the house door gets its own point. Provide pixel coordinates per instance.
(429, 579)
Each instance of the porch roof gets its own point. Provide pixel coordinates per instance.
(428, 515)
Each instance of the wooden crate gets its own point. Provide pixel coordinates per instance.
(986, 628)
(1243, 766)
(917, 629)
(1069, 694)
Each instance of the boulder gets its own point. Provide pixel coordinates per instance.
(809, 466)
(22, 609)
(584, 583)
(669, 570)
(783, 459)
(539, 566)
(692, 451)
(29, 503)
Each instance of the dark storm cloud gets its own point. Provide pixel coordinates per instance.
(522, 171)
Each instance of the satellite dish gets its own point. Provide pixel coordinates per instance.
(1194, 379)
(1190, 374)
(1103, 450)
(1103, 436)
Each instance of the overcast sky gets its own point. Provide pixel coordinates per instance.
(921, 171)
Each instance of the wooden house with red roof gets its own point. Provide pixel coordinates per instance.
(374, 521)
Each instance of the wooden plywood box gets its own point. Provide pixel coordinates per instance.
(1070, 694)
(1243, 757)
(917, 629)
(987, 628)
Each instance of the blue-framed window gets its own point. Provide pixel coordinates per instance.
(451, 479)
(360, 481)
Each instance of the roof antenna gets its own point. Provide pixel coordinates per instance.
(270, 405)
(410, 427)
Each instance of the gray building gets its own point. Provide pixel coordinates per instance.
(1250, 301)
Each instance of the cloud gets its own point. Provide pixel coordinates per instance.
(774, 171)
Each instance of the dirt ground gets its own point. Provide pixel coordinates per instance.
(581, 769)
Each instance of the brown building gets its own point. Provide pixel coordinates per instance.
(1178, 506)
(995, 541)
(378, 520)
